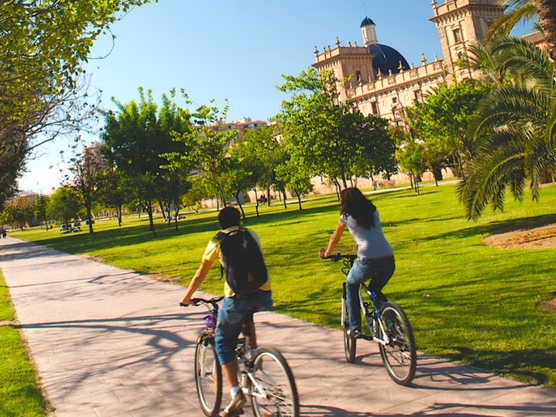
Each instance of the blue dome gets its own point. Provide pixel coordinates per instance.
(367, 22)
(387, 59)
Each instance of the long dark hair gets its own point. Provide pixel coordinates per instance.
(357, 206)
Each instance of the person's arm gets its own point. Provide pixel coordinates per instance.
(333, 241)
(197, 280)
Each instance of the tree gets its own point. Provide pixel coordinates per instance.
(85, 178)
(114, 194)
(328, 136)
(39, 206)
(64, 205)
(263, 153)
(514, 131)
(295, 178)
(412, 161)
(523, 10)
(18, 212)
(137, 137)
(205, 148)
(546, 12)
(43, 44)
(442, 120)
(43, 93)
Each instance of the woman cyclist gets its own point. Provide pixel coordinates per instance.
(375, 257)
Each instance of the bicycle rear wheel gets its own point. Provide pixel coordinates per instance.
(399, 354)
(350, 344)
(274, 393)
(208, 375)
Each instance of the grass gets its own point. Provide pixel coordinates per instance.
(19, 394)
(466, 301)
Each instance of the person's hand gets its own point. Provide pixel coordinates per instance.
(322, 253)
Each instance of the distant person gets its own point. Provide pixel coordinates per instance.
(375, 257)
(235, 304)
(3, 232)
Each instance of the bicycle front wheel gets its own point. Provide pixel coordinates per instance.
(208, 375)
(399, 354)
(273, 391)
(350, 344)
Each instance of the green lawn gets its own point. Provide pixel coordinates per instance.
(19, 395)
(466, 301)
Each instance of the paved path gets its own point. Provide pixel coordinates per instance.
(113, 343)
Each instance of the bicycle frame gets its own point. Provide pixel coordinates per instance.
(374, 316)
(348, 261)
(241, 351)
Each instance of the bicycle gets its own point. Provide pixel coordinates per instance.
(265, 378)
(389, 327)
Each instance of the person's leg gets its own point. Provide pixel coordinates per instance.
(230, 320)
(383, 269)
(265, 301)
(353, 280)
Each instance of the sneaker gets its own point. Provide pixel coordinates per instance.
(235, 408)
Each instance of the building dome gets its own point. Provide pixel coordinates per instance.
(386, 59)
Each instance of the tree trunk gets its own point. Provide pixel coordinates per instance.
(256, 202)
(151, 221)
(119, 216)
(546, 12)
(177, 214)
(89, 220)
(337, 187)
(268, 196)
(299, 201)
(284, 194)
(162, 210)
(239, 204)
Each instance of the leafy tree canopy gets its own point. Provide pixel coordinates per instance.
(330, 137)
(44, 42)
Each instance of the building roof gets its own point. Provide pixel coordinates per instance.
(367, 22)
(386, 59)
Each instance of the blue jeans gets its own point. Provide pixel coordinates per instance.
(230, 320)
(379, 271)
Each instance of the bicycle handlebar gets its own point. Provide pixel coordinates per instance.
(211, 302)
(339, 256)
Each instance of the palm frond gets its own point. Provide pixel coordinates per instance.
(504, 25)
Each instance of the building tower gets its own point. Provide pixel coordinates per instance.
(459, 24)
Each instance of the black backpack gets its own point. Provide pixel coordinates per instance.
(243, 261)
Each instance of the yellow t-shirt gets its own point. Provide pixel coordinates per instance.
(213, 252)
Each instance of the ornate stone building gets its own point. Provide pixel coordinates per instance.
(382, 82)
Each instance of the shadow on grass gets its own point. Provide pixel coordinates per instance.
(494, 228)
(520, 364)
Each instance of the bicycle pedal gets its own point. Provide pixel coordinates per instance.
(235, 413)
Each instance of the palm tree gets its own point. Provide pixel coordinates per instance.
(546, 11)
(524, 10)
(515, 128)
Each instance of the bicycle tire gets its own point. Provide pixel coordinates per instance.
(275, 378)
(399, 355)
(350, 344)
(208, 375)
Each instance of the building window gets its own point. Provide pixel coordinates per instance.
(457, 35)
(374, 106)
(394, 100)
(358, 76)
(418, 95)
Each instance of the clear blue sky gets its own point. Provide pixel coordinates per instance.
(218, 49)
